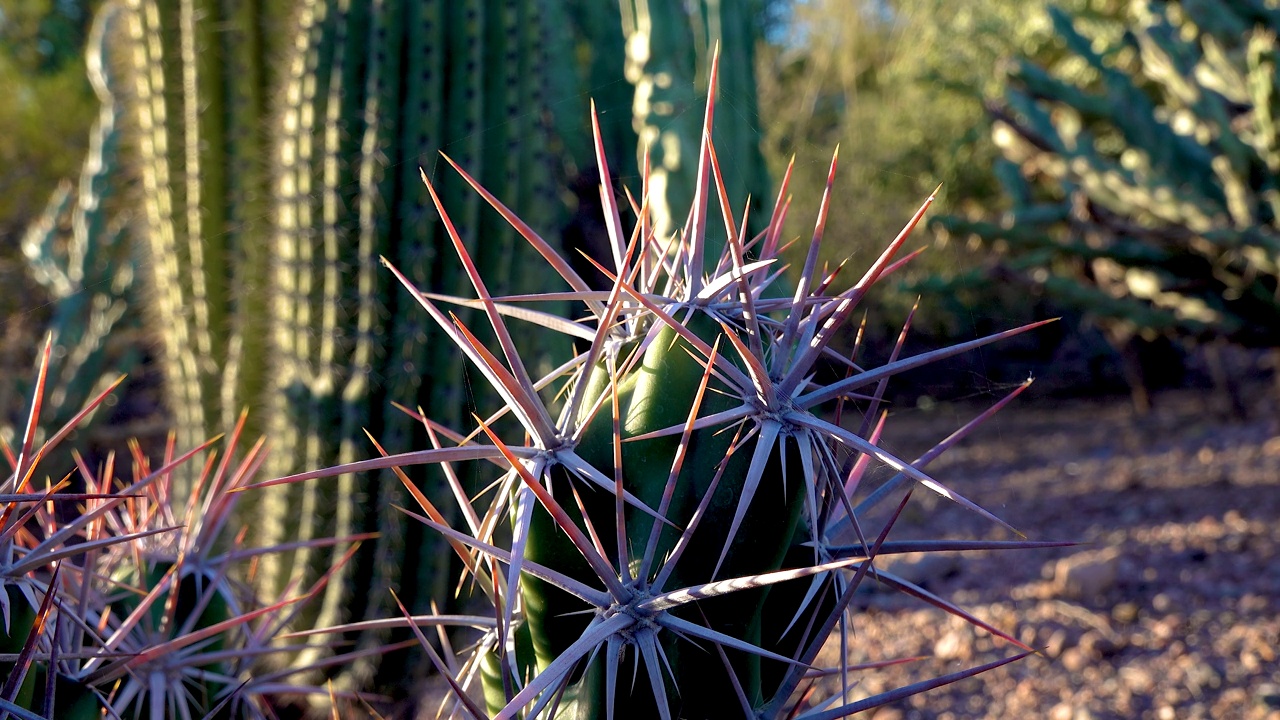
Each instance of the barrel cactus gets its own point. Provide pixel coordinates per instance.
(677, 525)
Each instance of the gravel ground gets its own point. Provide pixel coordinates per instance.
(1169, 609)
(1166, 611)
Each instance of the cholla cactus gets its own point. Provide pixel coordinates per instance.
(683, 511)
(1145, 193)
(127, 606)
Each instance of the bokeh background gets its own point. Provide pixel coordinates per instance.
(1115, 164)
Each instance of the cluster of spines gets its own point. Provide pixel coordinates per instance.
(121, 600)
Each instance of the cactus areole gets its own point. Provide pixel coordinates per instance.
(680, 520)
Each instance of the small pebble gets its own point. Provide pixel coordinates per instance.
(1125, 613)
(1086, 576)
(1074, 660)
(950, 647)
(1057, 642)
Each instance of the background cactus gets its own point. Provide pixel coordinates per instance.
(1146, 193)
(262, 229)
(78, 251)
(395, 90)
(271, 187)
(668, 51)
(670, 479)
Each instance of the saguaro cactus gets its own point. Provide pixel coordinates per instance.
(280, 154)
(368, 85)
(272, 188)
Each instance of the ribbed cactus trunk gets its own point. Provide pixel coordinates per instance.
(668, 50)
(280, 149)
(375, 92)
(202, 73)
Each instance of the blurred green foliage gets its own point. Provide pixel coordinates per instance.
(41, 68)
(45, 119)
(78, 252)
(899, 85)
